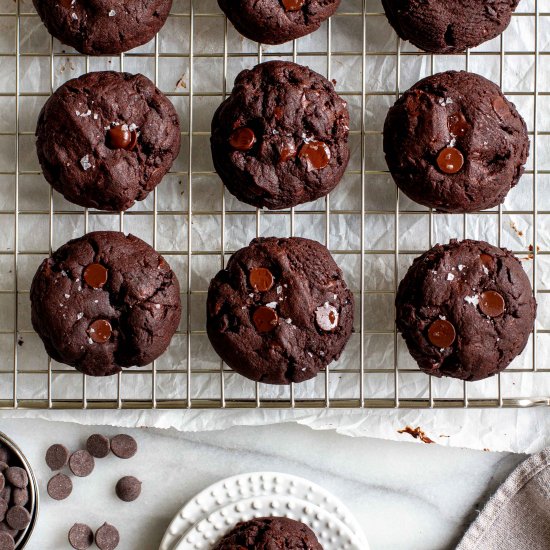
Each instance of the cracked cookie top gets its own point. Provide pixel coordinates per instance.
(104, 302)
(465, 309)
(280, 311)
(453, 142)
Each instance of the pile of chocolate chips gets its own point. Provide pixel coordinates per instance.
(81, 463)
(14, 498)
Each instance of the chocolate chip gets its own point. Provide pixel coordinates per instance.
(128, 488)
(81, 536)
(458, 126)
(441, 333)
(95, 275)
(492, 303)
(107, 537)
(98, 446)
(123, 446)
(100, 331)
(450, 160)
(488, 261)
(81, 463)
(265, 319)
(57, 457)
(4, 454)
(261, 279)
(121, 137)
(242, 139)
(6, 541)
(500, 107)
(18, 518)
(2, 481)
(5, 493)
(5, 528)
(316, 154)
(17, 476)
(3, 466)
(326, 317)
(287, 152)
(20, 496)
(60, 487)
(293, 5)
(3, 508)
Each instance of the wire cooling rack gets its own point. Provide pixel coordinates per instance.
(372, 231)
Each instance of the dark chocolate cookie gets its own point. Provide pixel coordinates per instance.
(277, 21)
(465, 310)
(106, 139)
(281, 137)
(280, 311)
(453, 142)
(104, 302)
(268, 533)
(449, 26)
(103, 27)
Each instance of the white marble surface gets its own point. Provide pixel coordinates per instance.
(406, 496)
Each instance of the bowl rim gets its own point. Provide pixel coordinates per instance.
(24, 537)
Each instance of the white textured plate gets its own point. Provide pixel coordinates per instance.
(331, 532)
(256, 484)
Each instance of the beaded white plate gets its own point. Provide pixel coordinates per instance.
(331, 532)
(244, 486)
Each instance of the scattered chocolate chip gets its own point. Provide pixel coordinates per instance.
(458, 126)
(265, 319)
(242, 139)
(98, 446)
(100, 331)
(261, 279)
(316, 154)
(17, 477)
(123, 446)
(81, 463)
(128, 488)
(293, 5)
(501, 107)
(6, 541)
(95, 275)
(488, 261)
(18, 518)
(20, 496)
(60, 487)
(3, 508)
(492, 303)
(121, 137)
(57, 457)
(107, 537)
(81, 536)
(441, 333)
(326, 317)
(450, 160)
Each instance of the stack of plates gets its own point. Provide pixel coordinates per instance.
(216, 510)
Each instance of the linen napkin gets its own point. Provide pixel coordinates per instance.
(517, 517)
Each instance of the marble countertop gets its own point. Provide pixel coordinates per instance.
(406, 496)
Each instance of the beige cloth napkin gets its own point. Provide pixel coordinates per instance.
(517, 517)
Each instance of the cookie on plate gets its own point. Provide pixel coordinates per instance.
(104, 302)
(449, 26)
(103, 27)
(268, 533)
(106, 139)
(465, 310)
(280, 311)
(277, 21)
(453, 142)
(281, 137)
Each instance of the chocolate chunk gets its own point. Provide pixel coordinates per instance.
(81, 463)
(18, 518)
(100, 331)
(3, 508)
(107, 537)
(60, 487)
(261, 279)
(95, 275)
(121, 137)
(492, 303)
(316, 154)
(265, 319)
(488, 261)
(293, 5)
(128, 488)
(17, 477)
(242, 139)
(98, 446)
(57, 457)
(458, 126)
(20, 497)
(441, 333)
(6, 541)
(450, 160)
(123, 446)
(81, 536)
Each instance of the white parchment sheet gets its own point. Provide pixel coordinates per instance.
(195, 60)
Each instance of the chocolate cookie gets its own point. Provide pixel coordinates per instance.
(281, 137)
(281, 311)
(465, 310)
(453, 142)
(268, 533)
(103, 27)
(106, 139)
(277, 21)
(104, 302)
(449, 26)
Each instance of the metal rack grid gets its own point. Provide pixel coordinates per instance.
(28, 379)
